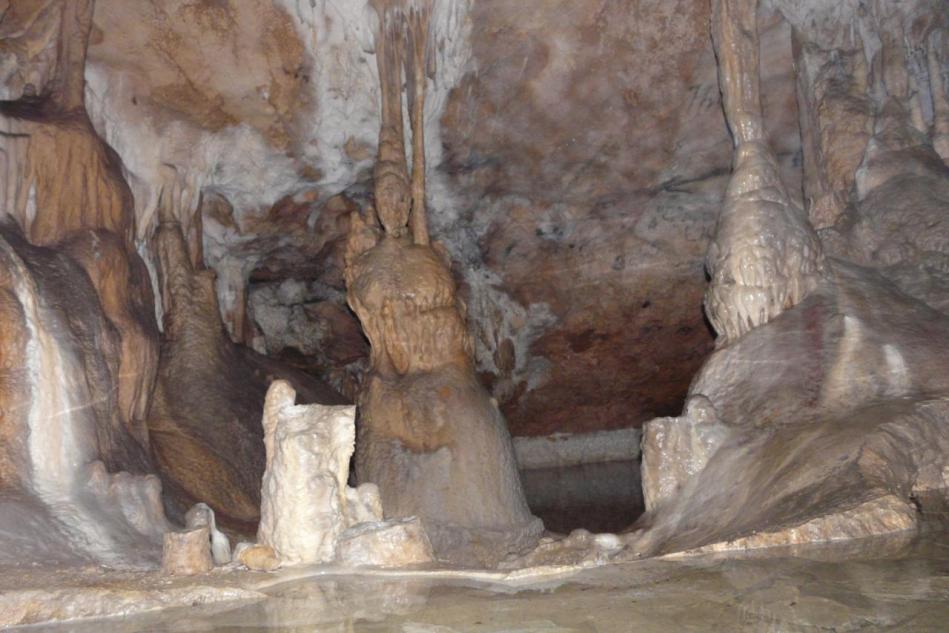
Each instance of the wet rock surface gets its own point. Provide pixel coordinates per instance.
(874, 586)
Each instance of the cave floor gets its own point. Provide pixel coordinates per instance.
(888, 585)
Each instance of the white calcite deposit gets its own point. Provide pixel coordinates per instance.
(309, 515)
(200, 515)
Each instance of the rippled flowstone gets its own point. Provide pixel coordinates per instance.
(823, 414)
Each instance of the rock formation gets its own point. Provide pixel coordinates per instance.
(826, 421)
(574, 189)
(187, 553)
(429, 436)
(204, 421)
(309, 514)
(79, 341)
(304, 496)
(202, 516)
(182, 182)
(765, 256)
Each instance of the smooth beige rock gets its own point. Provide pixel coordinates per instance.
(187, 553)
(883, 516)
(257, 557)
(394, 543)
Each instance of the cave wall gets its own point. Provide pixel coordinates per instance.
(577, 155)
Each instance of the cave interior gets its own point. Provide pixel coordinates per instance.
(474, 315)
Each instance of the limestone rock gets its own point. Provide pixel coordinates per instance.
(187, 553)
(765, 256)
(396, 543)
(878, 517)
(204, 422)
(257, 557)
(304, 500)
(200, 515)
(824, 416)
(430, 437)
(830, 441)
(74, 469)
(589, 220)
(363, 504)
(676, 449)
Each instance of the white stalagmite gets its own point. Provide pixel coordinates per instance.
(303, 500)
(201, 515)
(308, 514)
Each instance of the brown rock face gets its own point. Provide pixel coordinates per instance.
(205, 417)
(591, 148)
(125, 293)
(576, 158)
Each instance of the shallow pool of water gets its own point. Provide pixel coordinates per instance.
(604, 497)
(873, 586)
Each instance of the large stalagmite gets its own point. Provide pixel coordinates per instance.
(823, 416)
(304, 496)
(429, 435)
(309, 514)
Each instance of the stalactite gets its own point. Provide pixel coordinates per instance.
(416, 64)
(765, 257)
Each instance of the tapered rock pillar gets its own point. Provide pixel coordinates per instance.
(428, 434)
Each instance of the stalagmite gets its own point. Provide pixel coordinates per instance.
(309, 514)
(474, 220)
(187, 553)
(429, 436)
(303, 502)
(204, 421)
(202, 516)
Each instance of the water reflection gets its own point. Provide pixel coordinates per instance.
(879, 585)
